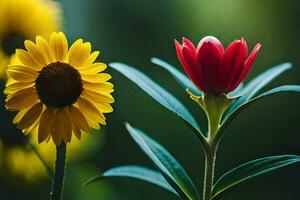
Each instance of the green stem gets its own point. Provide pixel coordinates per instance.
(58, 184)
(214, 107)
(214, 111)
(210, 158)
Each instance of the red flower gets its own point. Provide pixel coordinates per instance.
(213, 69)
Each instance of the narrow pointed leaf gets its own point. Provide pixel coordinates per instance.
(249, 171)
(237, 92)
(169, 167)
(136, 172)
(182, 79)
(277, 90)
(284, 88)
(156, 92)
(254, 86)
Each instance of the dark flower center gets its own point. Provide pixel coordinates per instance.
(12, 41)
(58, 85)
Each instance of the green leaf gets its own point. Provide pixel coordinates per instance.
(166, 164)
(284, 88)
(258, 83)
(249, 171)
(156, 92)
(182, 79)
(237, 92)
(232, 115)
(136, 172)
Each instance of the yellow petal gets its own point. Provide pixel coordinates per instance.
(101, 106)
(20, 115)
(104, 87)
(105, 108)
(102, 119)
(88, 107)
(10, 81)
(27, 60)
(96, 78)
(45, 48)
(59, 46)
(93, 69)
(92, 122)
(36, 53)
(98, 96)
(31, 116)
(67, 125)
(62, 127)
(93, 57)
(78, 119)
(77, 132)
(45, 125)
(22, 99)
(79, 54)
(74, 48)
(13, 60)
(32, 129)
(56, 133)
(17, 86)
(90, 110)
(21, 73)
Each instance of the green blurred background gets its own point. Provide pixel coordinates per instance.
(133, 31)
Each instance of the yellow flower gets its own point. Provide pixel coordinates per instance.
(19, 160)
(24, 19)
(58, 91)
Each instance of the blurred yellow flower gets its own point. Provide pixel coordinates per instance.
(19, 160)
(58, 91)
(24, 19)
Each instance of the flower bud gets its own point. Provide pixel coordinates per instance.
(213, 69)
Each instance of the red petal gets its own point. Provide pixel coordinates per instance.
(187, 43)
(247, 65)
(188, 52)
(214, 41)
(187, 67)
(232, 63)
(252, 56)
(179, 52)
(209, 56)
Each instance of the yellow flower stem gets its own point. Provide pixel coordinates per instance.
(58, 183)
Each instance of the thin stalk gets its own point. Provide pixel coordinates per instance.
(210, 158)
(210, 152)
(214, 107)
(58, 183)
